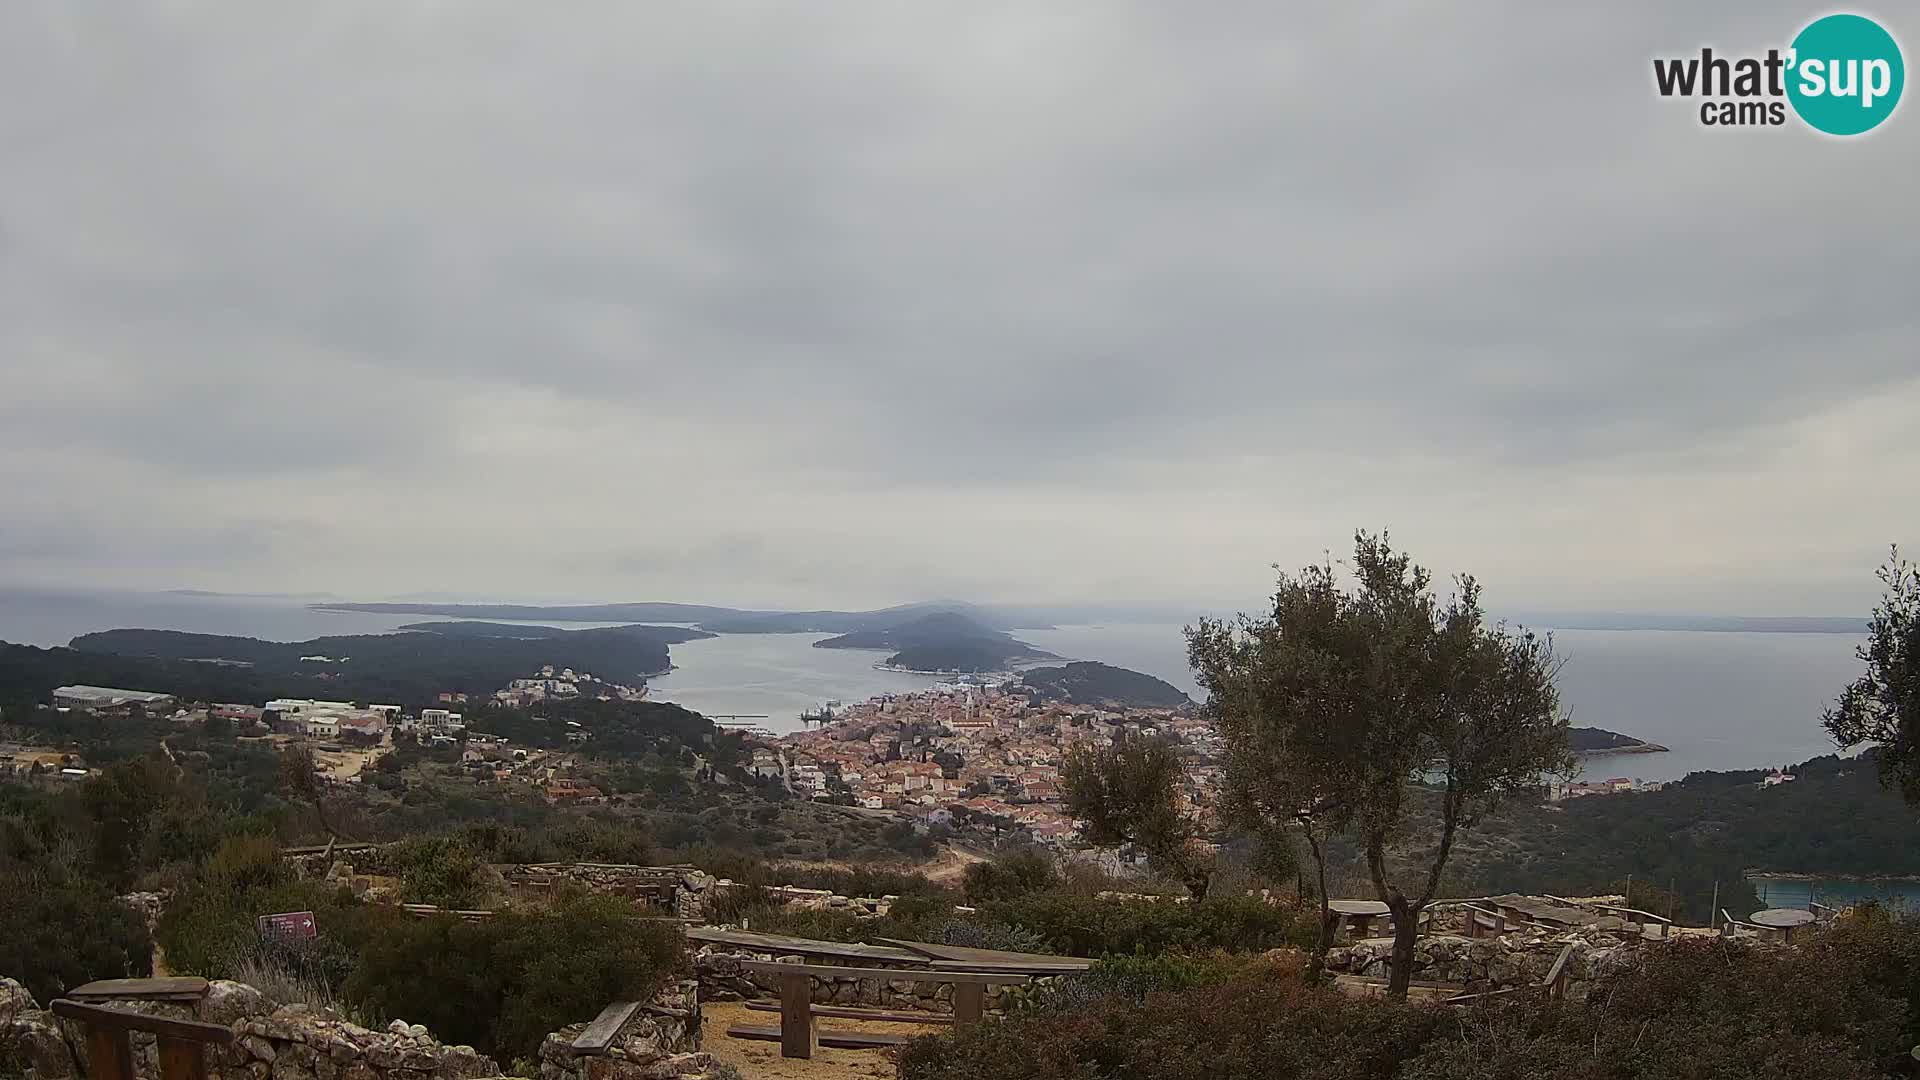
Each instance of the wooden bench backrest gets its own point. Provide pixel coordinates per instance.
(182, 1043)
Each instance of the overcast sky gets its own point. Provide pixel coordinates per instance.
(856, 303)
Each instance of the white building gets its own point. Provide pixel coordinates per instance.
(303, 707)
(107, 697)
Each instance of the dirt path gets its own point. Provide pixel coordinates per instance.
(762, 1061)
(951, 864)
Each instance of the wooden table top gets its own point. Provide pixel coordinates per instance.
(1358, 907)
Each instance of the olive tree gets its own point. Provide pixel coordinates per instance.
(1278, 782)
(1882, 706)
(1130, 793)
(1385, 711)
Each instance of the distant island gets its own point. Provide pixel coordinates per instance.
(1086, 682)
(719, 620)
(409, 667)
(945, 642)
(1593, 740)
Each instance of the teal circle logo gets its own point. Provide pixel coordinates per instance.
(1845, 74)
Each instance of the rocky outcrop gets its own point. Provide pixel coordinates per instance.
(31, 1038)
(1493, 963)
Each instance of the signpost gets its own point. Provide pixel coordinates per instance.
(288, 926)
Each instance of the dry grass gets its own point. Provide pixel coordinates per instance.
(762, 1060)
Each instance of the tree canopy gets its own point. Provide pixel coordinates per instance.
(1343, 701)
(1882, 706)
(1129, 793)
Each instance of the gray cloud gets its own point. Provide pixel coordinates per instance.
(864, 302)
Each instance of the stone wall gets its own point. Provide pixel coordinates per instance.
(813, 899)
(723, 977)
(288, 1042)
(680, 889)
(660, 1041)
(1493, 963)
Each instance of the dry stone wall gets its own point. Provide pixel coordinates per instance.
(723, 976)
(659, 1042)
(1493, 963)
(298, 1042)
(681, 889)
(288, 1042)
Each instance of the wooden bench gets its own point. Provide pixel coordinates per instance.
(1481, 919)
(598, 1035)
(182, 1043)
(798, 1034)
(847, 1012)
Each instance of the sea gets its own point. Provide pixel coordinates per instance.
(1716, 700)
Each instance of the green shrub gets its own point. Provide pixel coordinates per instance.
(1832, 1010)
(973, 934)
(1090, 926)
(1134, 977)
(1264, 1024)
(57, 933)
(502, 984)
(439, 870)
(211, 927)
(1692, 1009)
(1010, 876)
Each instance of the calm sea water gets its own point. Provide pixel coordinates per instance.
(1717, 700)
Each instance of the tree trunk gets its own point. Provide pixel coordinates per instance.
(1406, 931)
(1317, 964)
(1198, 882)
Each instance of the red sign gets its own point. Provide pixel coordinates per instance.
(289, 926)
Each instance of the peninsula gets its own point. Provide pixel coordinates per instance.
(1596, 741)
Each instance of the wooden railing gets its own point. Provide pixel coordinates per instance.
(798, 1034)
(182, 1043)
(1665, 924)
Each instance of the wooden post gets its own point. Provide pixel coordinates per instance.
(1672, 898)
(798, 1036)
(969, 1003)
(1715, 908)
(182, 1059)
(109, 1054)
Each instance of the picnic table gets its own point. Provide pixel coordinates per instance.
(1357, 913)
(797, 1033)
(1781, 919)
